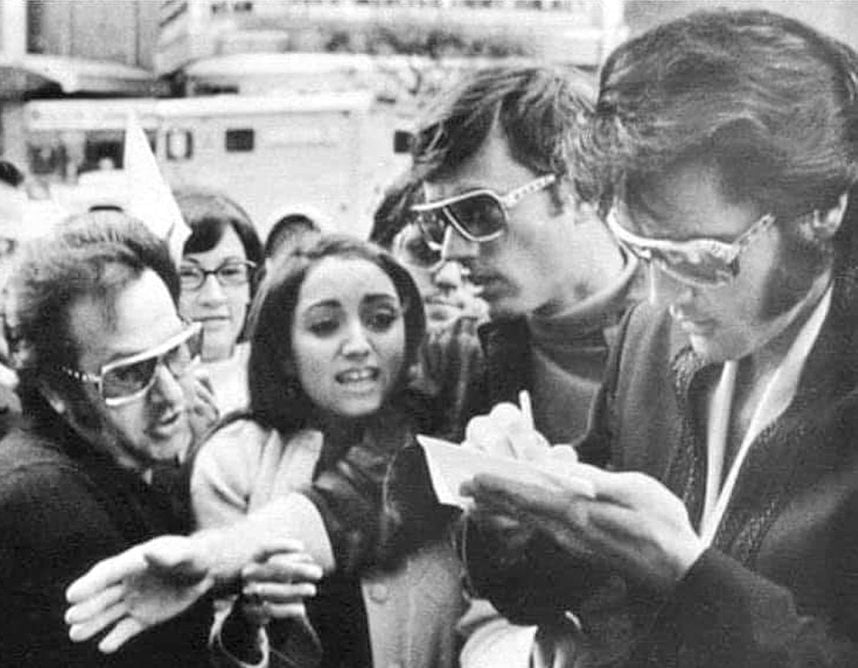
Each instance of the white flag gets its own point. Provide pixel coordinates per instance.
(149, 196)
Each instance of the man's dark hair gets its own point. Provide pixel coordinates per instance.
(92, 255)
(539, 108)
(393, 212)
(277, 399)
(765, 100)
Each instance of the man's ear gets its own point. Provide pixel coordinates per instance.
(824, 224)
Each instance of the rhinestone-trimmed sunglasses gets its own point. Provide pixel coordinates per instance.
(480, 215)
(704, 262)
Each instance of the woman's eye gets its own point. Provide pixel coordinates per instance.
(230, 271)
(382, 320)
(323, 327)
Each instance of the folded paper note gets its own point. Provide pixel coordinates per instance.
(451, 464)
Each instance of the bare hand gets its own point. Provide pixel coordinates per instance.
(505, 432)
(634, 522)
(204, 412)
(135, 590)
(147, 585)
(276, 584)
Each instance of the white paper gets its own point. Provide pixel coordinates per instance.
(451, 464)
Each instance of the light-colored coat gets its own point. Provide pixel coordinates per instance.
(411, 612)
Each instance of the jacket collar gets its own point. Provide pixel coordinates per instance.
(830, 373)
(836, 347)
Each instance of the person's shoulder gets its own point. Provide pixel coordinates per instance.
(238, 433)
(23, 454)
(35, 476)
(648, 330)
(240, 442)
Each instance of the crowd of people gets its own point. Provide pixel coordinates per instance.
(215, 462)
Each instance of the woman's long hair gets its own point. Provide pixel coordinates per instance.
(277, 399)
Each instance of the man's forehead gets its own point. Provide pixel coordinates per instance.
(685, 198)
(137, 315)
(491, 166)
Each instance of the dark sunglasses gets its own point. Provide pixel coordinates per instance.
(125, 380)
(410, 245)
(478, 215)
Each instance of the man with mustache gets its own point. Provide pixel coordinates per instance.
(724, 153)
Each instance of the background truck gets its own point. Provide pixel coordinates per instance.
(310, 153)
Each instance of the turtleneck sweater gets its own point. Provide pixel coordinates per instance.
(569, 352)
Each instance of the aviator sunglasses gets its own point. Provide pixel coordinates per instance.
(128, 379)
(702, 262)
(480, 215)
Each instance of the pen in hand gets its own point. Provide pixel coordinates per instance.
(526, 408)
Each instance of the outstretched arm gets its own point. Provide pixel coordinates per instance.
(155, 581)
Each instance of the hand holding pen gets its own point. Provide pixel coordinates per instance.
(508, 431)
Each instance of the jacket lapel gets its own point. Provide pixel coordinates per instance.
(794, 450)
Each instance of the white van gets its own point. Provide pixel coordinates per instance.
(273, 154)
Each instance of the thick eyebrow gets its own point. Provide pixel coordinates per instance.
(323, 304)
(372, 299)
(382, 297)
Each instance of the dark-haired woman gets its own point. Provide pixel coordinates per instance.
(334, 331)
(219, 262)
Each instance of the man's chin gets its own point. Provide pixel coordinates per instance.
(169, 449)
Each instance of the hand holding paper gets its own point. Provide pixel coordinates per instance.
(452, 465)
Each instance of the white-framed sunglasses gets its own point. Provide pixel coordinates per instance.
(125, 380)
(703, 261)
(479, 215)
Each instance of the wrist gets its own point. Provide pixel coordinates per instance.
(225, 551)
(681, 562)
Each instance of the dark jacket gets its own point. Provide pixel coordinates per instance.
(62, 509)
(779, 585)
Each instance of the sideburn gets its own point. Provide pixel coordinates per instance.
(803, 258)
